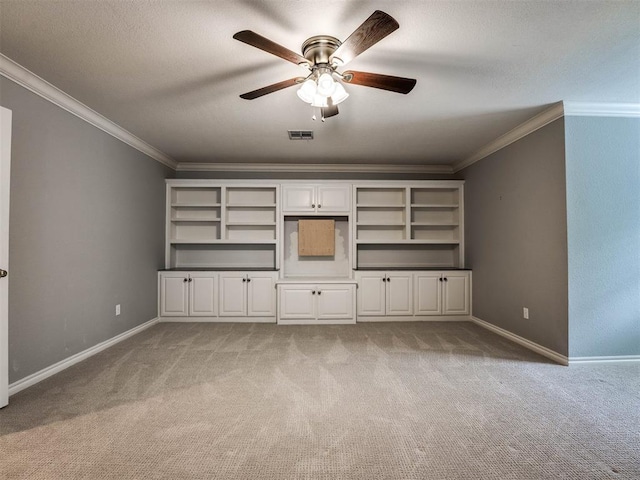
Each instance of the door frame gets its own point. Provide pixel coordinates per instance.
(5, 172)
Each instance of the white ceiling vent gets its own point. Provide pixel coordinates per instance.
(300, 134)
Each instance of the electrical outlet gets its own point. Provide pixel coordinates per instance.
(117, 310)
(525, 313)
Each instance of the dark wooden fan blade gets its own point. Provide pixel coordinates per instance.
(271, 88)
(330, 111)
(384, 82)
(374, 29)
(258, 41)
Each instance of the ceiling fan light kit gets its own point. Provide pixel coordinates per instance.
(323, 55)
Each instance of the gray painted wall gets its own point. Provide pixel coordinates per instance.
(86, 233)
(516, 237)
(603, 204)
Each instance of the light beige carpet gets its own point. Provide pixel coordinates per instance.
(366, 401)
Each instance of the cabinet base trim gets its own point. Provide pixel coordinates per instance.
(218, 319)
(544, 351)
(414, 318)
(78, 357)
(347, 321)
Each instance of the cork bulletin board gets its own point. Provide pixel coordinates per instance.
(316, 238)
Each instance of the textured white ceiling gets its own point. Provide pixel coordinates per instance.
(170, 72)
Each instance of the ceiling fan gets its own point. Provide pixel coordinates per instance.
(323, 55)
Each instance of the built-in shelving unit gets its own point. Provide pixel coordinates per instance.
(230, 225)
(409, 225)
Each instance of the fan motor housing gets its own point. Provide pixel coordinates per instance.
(319, 49)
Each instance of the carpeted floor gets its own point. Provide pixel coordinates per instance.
(366, 401)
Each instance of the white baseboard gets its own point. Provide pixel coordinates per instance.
(78, 357)
(412, 318)
(217, 319)
(544, 351)
(610, 359)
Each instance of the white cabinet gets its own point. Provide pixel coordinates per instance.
(316, 303)
(385, 293)
(400, 225)
(316, 199)
(188, 294)
(247, 294)
(221, 225)
(443, 293)
(396, 295)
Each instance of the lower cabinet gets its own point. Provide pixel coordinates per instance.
(188, 294)
(419, 295)
(247, 294)
(304, 303)
(213, 296)
(385, 293)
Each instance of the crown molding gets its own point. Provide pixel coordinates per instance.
(538, 121)
(577, 109)
(32, 82)
(312, 167)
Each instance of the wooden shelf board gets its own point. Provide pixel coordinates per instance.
(434, 224)
(380, 225)
(221, 242)
(387, 205)
(262, 205)
(251, 224)
(434, 205)
(195, 205)
(198, 220)
(408, 242)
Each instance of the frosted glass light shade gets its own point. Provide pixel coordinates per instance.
(307, 91)
(319, 101)
(326, 85)
(340, 94)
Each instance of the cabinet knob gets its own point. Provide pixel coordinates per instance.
(446, 279)
(190, 279)
(319, 292)
(248, 279)
(384, 279)
(313, 292)
(388, 279)
(440, 279)
(313, 205)
(244, 280)
(319, 206)
(184, 280)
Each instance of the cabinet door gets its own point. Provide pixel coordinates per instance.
(334, 198)
(297, 302)
(335, 301)
(456, 293)
(174, 296)
(428, 293)
(371, 293)
(202, 295)
(298, 198)
(233, 295)
(261, 295)
(399, 294)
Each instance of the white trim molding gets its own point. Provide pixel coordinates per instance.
(544, 351)
(538, 121)
(78, 357)
(29, 80)
(313, 167)
(611, 359)
(577, 109)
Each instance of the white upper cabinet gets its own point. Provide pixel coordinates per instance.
(316, 199)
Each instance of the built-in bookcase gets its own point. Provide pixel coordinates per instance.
(234, 225)
(409, 226)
